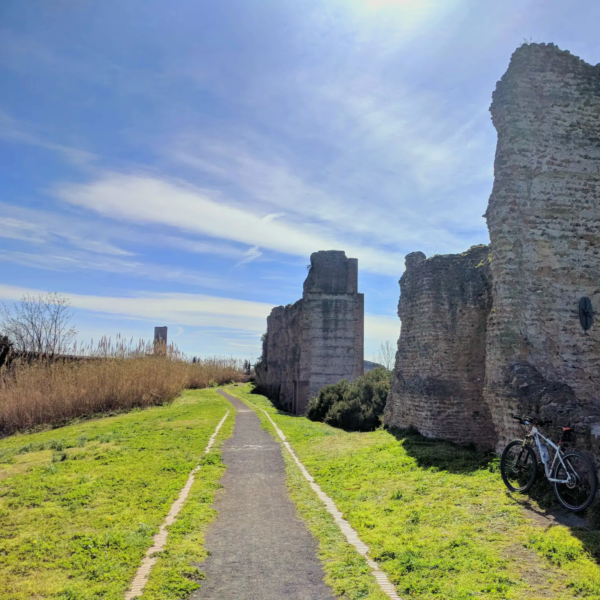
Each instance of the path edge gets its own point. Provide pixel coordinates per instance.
(159, 541)
(351, 535)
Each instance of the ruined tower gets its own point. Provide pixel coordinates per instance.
(544, 222)
(160, 340)
(540, 354)
(438, 380)
(318, 340)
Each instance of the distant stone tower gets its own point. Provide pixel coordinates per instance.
(160, 340)
(318, 340)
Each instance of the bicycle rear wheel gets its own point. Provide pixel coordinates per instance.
(518, 466)
(579, 493)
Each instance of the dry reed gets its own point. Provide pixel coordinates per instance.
(105, 378)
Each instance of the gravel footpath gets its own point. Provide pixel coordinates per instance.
(260, 549)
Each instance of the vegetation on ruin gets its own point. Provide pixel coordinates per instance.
(438, 518)
(111, 377)
(79, 505)
(356, 406)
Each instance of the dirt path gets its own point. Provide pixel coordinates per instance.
(260, 549)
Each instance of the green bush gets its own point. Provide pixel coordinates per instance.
(356, 406)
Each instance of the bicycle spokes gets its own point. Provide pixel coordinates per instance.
(519, 466)
(576, 492)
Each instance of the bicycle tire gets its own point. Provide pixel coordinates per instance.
(587, 486)
(530, 462)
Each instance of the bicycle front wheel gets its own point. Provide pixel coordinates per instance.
(579, 492)
(518, 466)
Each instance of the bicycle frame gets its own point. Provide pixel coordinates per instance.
(535, 432)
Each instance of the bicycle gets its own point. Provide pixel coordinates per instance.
(571, 474)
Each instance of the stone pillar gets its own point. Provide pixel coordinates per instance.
(318, 340)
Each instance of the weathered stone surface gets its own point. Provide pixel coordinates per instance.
(318, 340)
(544, 223)
(160, 334)
(440, 364)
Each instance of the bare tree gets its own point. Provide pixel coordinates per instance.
(387, 355)
(39, 324)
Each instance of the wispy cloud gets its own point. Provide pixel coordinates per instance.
(200, 310)
(196, 310)
(380, 329)
(55, 229)
(73, 261)
(34, 229)
(143, 199)
(250, 255)
(11, 131)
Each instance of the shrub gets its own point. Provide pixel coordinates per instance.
(356, 406)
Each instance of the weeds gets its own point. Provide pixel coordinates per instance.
(110, 378)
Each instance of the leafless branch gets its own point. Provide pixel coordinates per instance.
(39, 324)
(387, 355)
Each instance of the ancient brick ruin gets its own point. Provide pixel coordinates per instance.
(319, 339)
(440, 365)
(544, 223)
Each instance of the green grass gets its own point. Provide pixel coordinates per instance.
(437, 517)
(174, 575)
(79, 505)
(346, 571)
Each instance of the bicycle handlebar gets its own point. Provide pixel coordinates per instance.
(531, 421)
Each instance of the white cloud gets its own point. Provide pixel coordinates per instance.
(72, 261)
(47, 228)
(250, 255)
(199, 310)
(53, 230)
(9, 130)
(196, 246)
(196, 310)
(143, 199)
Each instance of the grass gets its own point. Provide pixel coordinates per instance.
(79, 505)
(437, 517)
(45, 393)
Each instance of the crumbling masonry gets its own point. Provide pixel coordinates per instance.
(532, 353)
(319, 339)
(440, 366)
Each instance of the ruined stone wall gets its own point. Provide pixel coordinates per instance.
(281, 367)
(440, 364)
(544, 223)
(318, 340)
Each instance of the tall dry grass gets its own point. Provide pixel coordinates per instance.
(103, 378)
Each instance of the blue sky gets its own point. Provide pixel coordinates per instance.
(176, 163)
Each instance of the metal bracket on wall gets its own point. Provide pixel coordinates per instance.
(586, 313)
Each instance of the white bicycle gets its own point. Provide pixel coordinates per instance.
(571, 474)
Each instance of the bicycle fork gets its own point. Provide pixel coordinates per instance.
(545, 460)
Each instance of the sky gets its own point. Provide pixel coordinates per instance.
(176, 163)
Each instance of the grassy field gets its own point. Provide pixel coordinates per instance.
(436, 517)
(79, 505)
